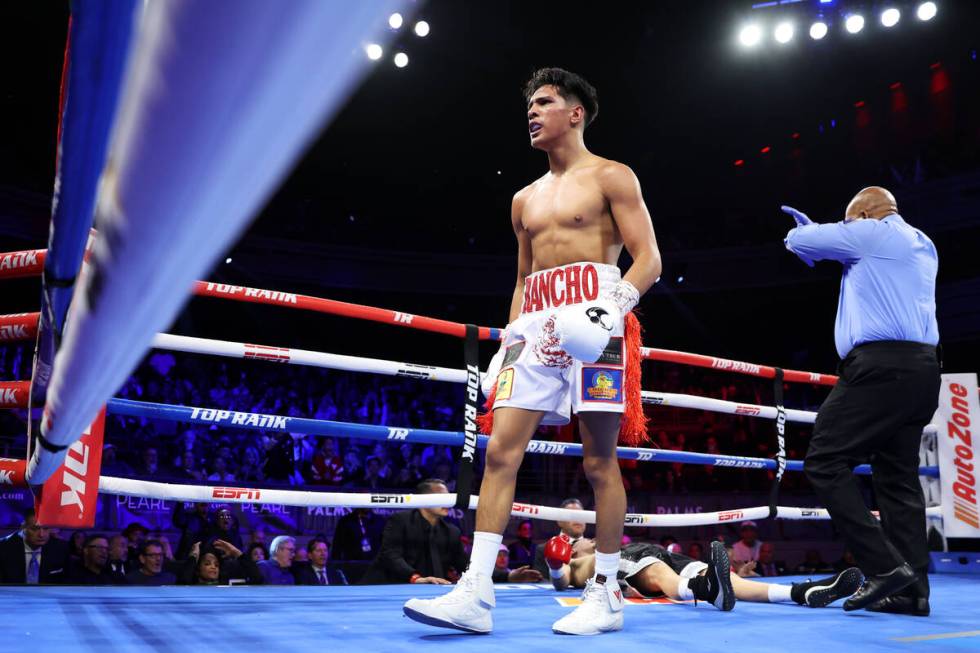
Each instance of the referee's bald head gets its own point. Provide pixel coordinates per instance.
(871, 203)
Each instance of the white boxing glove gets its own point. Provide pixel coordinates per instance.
(584, 330)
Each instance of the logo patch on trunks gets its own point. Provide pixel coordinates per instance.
(513, 353)
(505, 384)
(613, 353)
(602, 384)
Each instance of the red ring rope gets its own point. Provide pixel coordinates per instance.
(31, 262)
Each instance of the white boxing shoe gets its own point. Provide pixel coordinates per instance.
(601, 611)
(466, 607)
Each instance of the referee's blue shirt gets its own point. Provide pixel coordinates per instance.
(888, 290)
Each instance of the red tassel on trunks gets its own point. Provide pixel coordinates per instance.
(484, 421)
(633, 428)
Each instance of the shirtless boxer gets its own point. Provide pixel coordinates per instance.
(569, 301)
(648, 570)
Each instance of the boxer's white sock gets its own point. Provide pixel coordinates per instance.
(607, 564)
(684, 593)
(780, 593)
(484, 555)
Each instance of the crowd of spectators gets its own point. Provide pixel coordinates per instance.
(365, 548)
(166, 450)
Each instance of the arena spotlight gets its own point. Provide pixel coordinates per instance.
(750, 36)
(422, 28)
(854, 23)
(395, 20)
(373, 51)
(890, 16)
(783, 32)
(818, 30)
(401, 59)
(926, 11)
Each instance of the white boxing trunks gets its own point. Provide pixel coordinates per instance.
(532, 381)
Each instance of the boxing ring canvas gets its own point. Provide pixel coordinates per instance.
(369, 619)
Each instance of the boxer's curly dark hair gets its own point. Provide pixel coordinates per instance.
(570, 86)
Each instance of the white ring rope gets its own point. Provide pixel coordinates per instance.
(433, 373)
(209, 494)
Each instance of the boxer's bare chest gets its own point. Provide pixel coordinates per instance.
(568, 219)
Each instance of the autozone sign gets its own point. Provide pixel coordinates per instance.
(958, 407)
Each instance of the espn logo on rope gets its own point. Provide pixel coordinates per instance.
(263, 352)
(747, 409)
(388, 498)
(524, 509)
(635, 520)
(731, 515)
(958, 429)
(235, 494)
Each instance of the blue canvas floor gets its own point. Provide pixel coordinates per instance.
(368, 619)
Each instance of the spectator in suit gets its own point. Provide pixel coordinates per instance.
(117, 565)
(420, 546)
(219, 563)
(317, 571)
(32, 556)
(573, 530)
(522, 549)
(92, 569)
(357, 535)
(150, 571)
(276, 571)
(766, 565)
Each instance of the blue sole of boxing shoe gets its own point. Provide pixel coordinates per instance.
(844, 585)
(415, 615)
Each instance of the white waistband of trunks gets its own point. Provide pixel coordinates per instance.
(568, 284)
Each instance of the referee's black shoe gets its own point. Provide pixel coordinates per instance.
(823, 592)
(902, 603)
(881, 586)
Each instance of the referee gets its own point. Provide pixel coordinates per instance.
(886, 335)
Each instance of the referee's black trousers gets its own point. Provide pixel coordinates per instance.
(887, 392)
